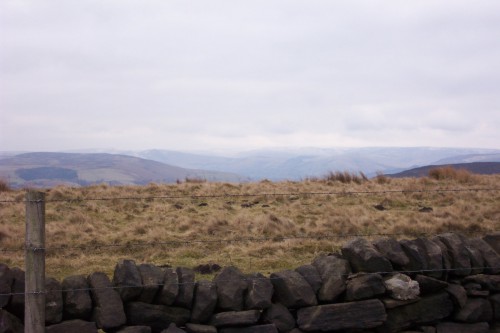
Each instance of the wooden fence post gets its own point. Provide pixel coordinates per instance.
(34, 307)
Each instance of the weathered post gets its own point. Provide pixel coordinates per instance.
(34, 308)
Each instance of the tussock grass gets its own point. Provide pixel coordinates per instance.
(4, 186)
(450, 173)
(193, 180)
(344, 177)
(381, 178)
(264, 226)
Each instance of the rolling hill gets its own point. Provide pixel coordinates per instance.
(140, 167)
(482, 168)
(49, 169)
(470, 158)
(300, 163)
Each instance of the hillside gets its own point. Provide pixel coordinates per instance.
(300, 163)
(470, 158)
(141, 167)
(263, 226)
(481, 168)
(50, 169)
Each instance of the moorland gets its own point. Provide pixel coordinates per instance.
(262, 226)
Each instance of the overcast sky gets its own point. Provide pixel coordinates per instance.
(239, 75)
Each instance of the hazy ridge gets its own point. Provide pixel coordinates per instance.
(297, 164)
(482, 168)
(47, 169)
(75, 169)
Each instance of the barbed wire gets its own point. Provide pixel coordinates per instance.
(246, 239)
(248, 278)
(279, 238)
(267, 194)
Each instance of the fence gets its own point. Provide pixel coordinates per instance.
(35, 247)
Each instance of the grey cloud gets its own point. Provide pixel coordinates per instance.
(260, 71)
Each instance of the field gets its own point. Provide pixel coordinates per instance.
(264, 226)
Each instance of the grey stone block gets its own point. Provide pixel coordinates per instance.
(342, 316)
(77, 303)
(108, 312)
(292, 290)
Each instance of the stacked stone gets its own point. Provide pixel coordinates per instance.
(448, 283)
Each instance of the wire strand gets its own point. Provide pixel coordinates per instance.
(99, 246)
(234, 240)
(243, 195)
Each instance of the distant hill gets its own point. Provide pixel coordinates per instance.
(138, 167)
(470, 158)
(483, 168)
(49, 169)
(300, 163)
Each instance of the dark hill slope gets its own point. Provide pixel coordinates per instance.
(47, 169)
(483, 168)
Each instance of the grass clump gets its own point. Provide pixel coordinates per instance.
(450, 173)
(193, 180)
(346, 177)
(4, 186)
(381, 178)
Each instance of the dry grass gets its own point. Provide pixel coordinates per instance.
(450, 173)
(4, 186)
(344, 177)
(262, 226)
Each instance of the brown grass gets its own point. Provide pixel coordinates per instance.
(4, 186)
(264, 226)
(381, 178)
(346, 177)
(193, 180)
(450, 173)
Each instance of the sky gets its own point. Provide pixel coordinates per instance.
(197, 75)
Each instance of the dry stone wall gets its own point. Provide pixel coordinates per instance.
(444, 284)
